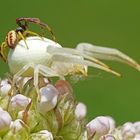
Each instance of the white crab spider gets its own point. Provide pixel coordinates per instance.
(48, 58)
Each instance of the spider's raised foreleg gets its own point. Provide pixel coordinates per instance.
(3, 51)
(107, 54)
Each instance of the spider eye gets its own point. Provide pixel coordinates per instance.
(19, 29)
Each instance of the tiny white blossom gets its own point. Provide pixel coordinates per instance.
(4, 88)
(128, 131)
(48, 98)
(137, 127)
(5, 120)
(99, 126)
(80, 111)
(19, 102)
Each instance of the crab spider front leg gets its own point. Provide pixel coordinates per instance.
(107, 54)
(2, 51)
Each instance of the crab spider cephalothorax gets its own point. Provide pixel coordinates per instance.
(14, 36)
(49, 59)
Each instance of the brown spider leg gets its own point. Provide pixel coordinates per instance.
(2, 51)
(35, 21)
(22, 37)
(43, 25)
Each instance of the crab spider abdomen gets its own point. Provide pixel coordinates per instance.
(36, 54)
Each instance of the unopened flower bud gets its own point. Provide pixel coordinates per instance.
(48, 98)
(5, 120)
(128, 131)
(19, 102)
(63, 87)
(4, 88)
(80, 111)
(99, 126)
(137, 127)
(42, 135)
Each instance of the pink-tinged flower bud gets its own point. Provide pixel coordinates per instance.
(48, 98)
(19, 102)
(128, 131)
(107, 137)
(99, 126)
(5, 120)
(80, 111)
(4, 88)
(137, 127)
(63, 87)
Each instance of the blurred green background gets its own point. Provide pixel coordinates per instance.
(111, 23)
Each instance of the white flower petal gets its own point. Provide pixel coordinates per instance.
(19, 102)
(48, 99)
(4, 89)
(5, 120)
(137, 127)
(128, 131)
(99, 126)
(80, 111)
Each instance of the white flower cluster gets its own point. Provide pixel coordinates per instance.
(56, 116)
